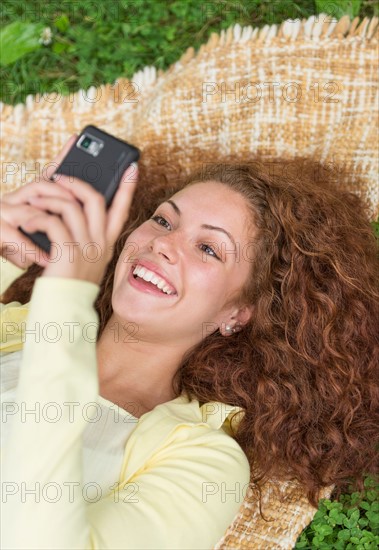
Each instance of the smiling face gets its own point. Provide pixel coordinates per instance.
(192, 247)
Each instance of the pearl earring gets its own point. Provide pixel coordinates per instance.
(229, 329)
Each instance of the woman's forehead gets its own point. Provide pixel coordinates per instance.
(198, 194)
(214, 203)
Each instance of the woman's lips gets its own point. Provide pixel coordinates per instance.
(142, 285)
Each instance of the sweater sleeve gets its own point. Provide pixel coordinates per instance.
(183, 496)
(58, 382)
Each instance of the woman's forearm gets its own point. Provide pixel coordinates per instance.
(42, 460)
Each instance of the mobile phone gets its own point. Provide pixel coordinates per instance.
(99, 159)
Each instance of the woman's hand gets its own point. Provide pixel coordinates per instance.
(16, 209)
(84, 235)
(82, 231)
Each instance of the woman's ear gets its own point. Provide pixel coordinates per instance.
(243, 315)
(239, 318)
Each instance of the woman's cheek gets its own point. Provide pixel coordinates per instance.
(135, 244)
(206, 281)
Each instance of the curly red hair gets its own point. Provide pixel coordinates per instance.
(305, 368)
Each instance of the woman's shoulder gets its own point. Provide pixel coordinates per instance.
(180, 470)
(180, 429)
(188, 412)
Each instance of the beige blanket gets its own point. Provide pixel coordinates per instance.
(307, 89)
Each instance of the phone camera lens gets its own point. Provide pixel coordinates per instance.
(86, 142)
(90, 144)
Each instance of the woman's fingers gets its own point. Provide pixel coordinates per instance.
(16, 209)
(44, 187)
(118, 212)
(24, 193)
(93, 205)
(14, 214)
(15, 246)
(104, 226)
(110, 221)
(72, 211)
(21, 251)
(69, 210)
(53, 226)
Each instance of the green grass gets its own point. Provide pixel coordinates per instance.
(96, 42)
(351, 524)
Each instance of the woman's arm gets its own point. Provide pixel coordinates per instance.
(183, 496)
(58, 382)
(58, 373)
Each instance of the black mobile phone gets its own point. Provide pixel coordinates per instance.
(99, 159)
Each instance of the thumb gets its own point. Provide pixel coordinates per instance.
(118, 212)
(52, 166)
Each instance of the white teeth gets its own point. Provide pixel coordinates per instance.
(148, 276)
(142, 271)
(151, 277)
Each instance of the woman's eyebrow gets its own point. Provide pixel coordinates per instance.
(204, 225)
(175, 206)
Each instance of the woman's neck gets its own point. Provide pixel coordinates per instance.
(136, 375)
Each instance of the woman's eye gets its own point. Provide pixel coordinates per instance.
(209, 250)
(160, 220)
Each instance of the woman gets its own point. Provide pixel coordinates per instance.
(268, 305)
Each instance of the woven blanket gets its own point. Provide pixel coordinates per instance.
(306, 89)
(302, 89)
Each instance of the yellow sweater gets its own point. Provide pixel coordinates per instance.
(183, 477)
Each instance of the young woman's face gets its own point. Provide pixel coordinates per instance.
(198, 243)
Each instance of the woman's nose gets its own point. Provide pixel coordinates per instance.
(166, 245)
